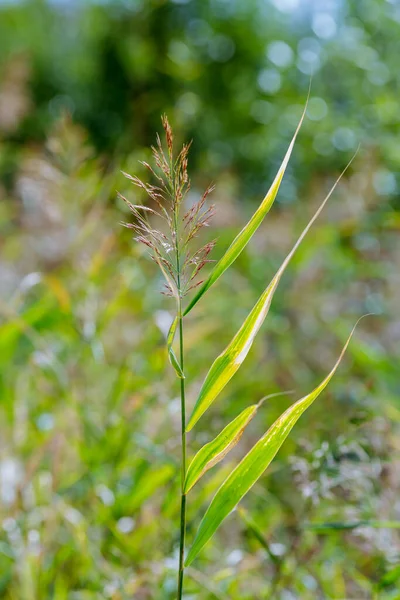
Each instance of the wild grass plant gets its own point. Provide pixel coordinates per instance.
(89, 410)
(90, 440)
(170, 229)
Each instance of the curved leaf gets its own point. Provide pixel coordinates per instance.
(254, 464)
(213, 452)
(241, 240)
(227, 363)
(171, 354)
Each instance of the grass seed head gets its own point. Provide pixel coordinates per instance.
(172, 248)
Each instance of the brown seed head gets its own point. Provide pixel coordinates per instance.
(171, 248)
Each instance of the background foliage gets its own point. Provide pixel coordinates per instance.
(89, 428)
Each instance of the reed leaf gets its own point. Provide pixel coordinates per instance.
(227, 363)
(213, 452)
(242, 239)
(253, 465)
(171, 354)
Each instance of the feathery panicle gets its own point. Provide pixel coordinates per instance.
(168, 134)
(171, 248)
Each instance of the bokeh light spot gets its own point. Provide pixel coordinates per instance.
(269, 81)
(344, 139)
(324, 25)
(280, 53)
(384, 182)
(317, 109)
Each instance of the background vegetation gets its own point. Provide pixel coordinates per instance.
(89, 427)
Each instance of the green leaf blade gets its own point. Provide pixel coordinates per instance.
(229, 361)
(244, 236)
(253, 465)
(213, 452)
(171, 354)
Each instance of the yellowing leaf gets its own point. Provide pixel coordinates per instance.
(227, 363)
(253, 465)
(241, 240)
(60, 292)
(213, 452)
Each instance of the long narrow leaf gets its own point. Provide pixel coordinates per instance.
(171, 354)
(241, 240)
(253, 465)
(227, 363)
(213, 452)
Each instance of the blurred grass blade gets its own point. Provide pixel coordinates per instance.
(241, 240)
(254, 464)
(171, 354)
(344, 525)
(227, 363)
(255, 530)
(390, 578)
(149, 483)
(213, 452)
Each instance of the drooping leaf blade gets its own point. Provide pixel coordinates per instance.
(243, 237)
(229, 361)
(253, 465)
(171, 354)
(213, 452)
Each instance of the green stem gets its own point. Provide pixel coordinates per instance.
(183, 416)
(183, 472)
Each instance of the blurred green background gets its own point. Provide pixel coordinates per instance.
(89, 414)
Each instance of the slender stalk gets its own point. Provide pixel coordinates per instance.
(183, 472)
(172, 186)
(183, 417)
